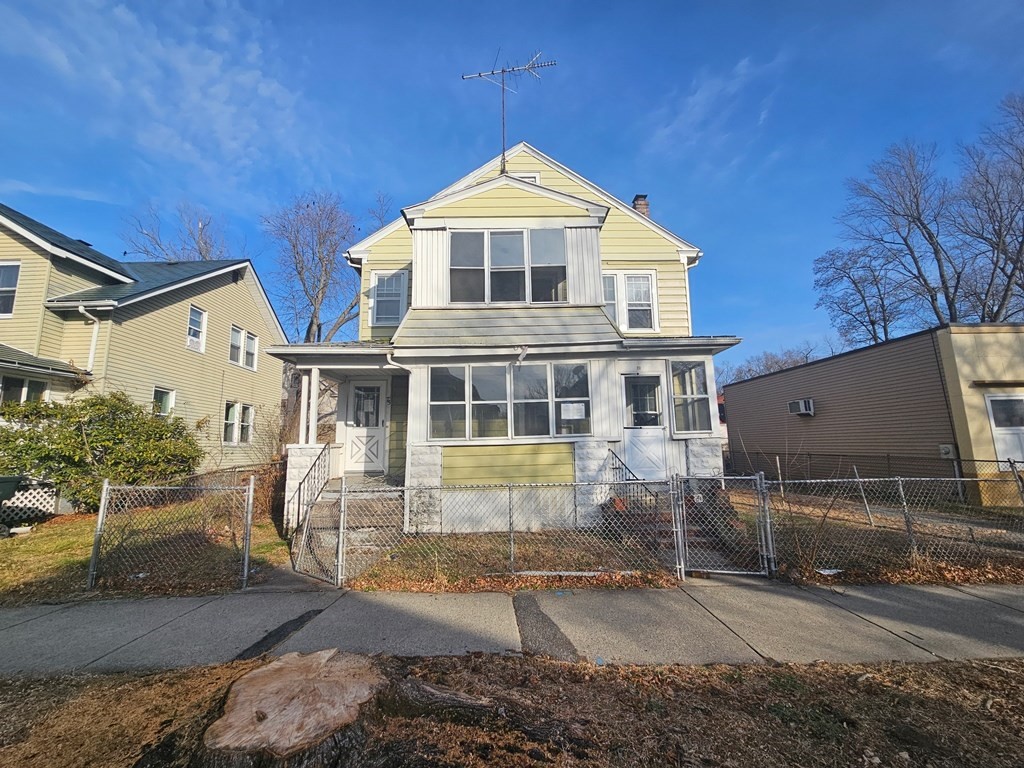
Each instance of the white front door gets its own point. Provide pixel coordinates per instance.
(365, 438)
(645, 430)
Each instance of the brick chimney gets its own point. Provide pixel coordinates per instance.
(640, 205)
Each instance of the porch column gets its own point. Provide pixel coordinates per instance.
(314, 405)
(303, 407)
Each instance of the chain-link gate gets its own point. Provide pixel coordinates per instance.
(722, 525)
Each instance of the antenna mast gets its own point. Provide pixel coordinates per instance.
(531, 66)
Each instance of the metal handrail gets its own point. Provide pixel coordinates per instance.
(313, 483)
(623, 475)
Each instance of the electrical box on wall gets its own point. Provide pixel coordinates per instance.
(947, 451)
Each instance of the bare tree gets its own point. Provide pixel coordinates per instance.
(380, 211)
(195, 236)
(318, 288)
(765, 362)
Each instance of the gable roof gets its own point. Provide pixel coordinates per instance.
(692, 253)
(10, 357)
(595, 210)
(61, 245)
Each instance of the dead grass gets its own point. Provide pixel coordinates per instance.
(939, 715)
(51, 564)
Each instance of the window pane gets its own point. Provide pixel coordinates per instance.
(388, 309)
(643, 401)
(162, 401)
(507, 249)
(6, 303)
(448, 385)
(531, 419)
(448, 421)
(467, 284)
(638, 289)
(36, 391)
(11, 388)
(230, 411)
(548, 284)
(571, 381)
(693, 414)
(489, 383)
(547, 246)
(235, 353)
(250, 351)
(366, 407)
(9, 275)
(610, 301)
(1005, 412)
(689, 379)
(508, 285)
(572, 418)
(195, 322)
(530, 382)
(641, 318)
(245, 428)
(490, 420)
(467, 249)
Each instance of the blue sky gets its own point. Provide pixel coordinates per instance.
(740, 120)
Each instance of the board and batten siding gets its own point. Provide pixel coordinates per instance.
(147, 349)
(430, 280)
(487, 464)
(583, 265)
(886, 399)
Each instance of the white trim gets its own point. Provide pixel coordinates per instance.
(420, 210)
(375, 276)
(51, 248)
(202, 328)
(488, 269)
(170, 399)
(1019, 431)
(506, 222)
(622, 303)
(711, 397)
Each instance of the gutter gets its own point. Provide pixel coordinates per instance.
(95, 335)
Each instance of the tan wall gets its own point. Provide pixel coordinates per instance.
(391, 253)
(24, 328)
(147, 349)
(992, 356)
(888, 399)
(486, 464)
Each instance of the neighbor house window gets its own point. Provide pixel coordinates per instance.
(242, 348)
(517, 266)
(475, 401)
(8, 286)
(230, 422)
(245, 424)
(195, 338)
(630, 300)
(691, 403)
(389, 294)
(163, 401)
(17, 389)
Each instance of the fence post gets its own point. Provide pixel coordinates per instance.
(100, 519)
(765, 528)
(678, 530)
(511, 535)
(339, 562)
(863, 497)
(907, 519)
(1017, 477)
(250, 492)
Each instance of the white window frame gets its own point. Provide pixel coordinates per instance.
(552, 400)
(531, 177)
(244, 338)
(621, 299)
(528, 267)
(992, 422)
(202, 329)
(403, 297)
(246, 421)
(233, 421)
(170, 401)
(25, 381)
(13, 291)
(673, 398)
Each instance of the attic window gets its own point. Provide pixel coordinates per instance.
(533, 178)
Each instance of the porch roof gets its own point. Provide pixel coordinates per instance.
(336, 354)
(16, 359)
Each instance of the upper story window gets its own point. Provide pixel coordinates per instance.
(389, 293)
(16, 389)
(8, 286)
(242, 350)
(514, 266)
(630, 299)
(195, 338)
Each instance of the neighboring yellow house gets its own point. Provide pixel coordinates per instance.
(188, 337)
(519, 327)
(950, 394)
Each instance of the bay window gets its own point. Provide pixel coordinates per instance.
(514, 266)
(691, 403)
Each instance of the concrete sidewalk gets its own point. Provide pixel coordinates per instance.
(730, 620)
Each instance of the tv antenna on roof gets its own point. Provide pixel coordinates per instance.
(531, 67)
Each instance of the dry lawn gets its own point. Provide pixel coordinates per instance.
(940, 714)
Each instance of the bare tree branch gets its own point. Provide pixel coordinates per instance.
(195, 236)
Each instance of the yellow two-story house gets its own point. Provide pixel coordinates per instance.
(190, 338)
(522, 326)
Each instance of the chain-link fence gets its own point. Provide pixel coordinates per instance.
(785, 466)
(872, 527)
(189, 535)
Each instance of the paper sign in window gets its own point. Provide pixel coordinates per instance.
(572, 411)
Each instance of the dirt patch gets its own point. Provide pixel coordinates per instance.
(939, 714)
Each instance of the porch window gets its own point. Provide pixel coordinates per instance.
(448, 402)
(16, 389)
(515, 266)
(490, 400)
(572, 399)
(8, 286)
(630, 300)
(691, 403)
(389, 293)
(530, 409)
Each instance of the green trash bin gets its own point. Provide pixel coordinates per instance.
(9, 485)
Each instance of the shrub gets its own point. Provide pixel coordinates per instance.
(76, 444)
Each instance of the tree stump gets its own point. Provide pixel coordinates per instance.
(299, 710)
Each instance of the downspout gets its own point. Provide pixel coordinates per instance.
(95, 335)
(391, 361)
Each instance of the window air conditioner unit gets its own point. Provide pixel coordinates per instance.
(194, 343)
(803, 407)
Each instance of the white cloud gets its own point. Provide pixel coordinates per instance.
(189, 87)
(18, 187)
